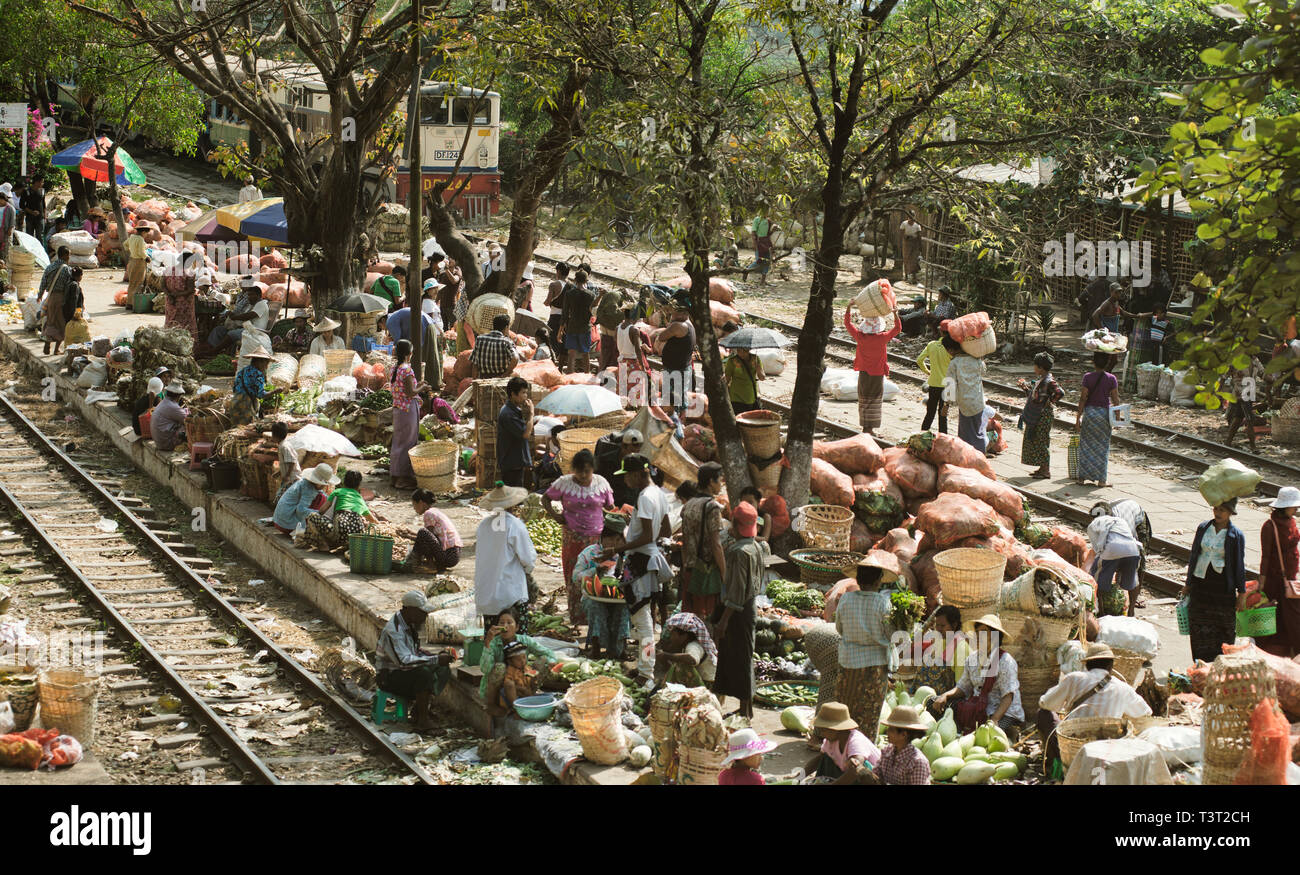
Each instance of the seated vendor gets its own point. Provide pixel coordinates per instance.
(249, 310)
(325, 337)
(437, 543)
(167, 427)
(1094, 692)
(290, 464)
(847, 756)
(991, 427)
(996, 673)
(901, 762)
(303, 497)
(345, 513)
(608, 623)
(493, 664)
(520, 680)
(405, 670)
(249, 388)
(943, 651)
(298, 338)
(686, 655)
(153, 393)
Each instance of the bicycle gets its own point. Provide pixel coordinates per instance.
(621, 233)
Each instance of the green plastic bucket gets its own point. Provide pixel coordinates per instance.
(142, 302)
(1257, 622)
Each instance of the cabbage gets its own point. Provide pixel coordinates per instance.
(932, 747)
(797, 719)
(945, 767)
(947, 727)
(975, 773)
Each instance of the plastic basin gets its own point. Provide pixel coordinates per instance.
(536, 707)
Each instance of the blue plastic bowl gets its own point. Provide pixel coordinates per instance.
(536, 707)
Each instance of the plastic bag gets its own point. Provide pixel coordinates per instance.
(93, 376)
(1270, 747)
(343, 383)
(832, 376)
(969, 327)
(859, 454)
(1004, 499)
(1180, 745)
(6, 718)
(60, 752)
(845, 390)
(1225, 480)
(773, 361)
(953, 516)
(1130, 633)
(917, 478)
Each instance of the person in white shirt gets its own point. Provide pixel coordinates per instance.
(1117, 551)
(644, 557)
(325, 337)
(254, 335)
(504, 554)
(991, 674)
(1093, 692)
(429, 304)
(249, 192)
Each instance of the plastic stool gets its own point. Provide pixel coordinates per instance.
(199, 451)
(379, 710)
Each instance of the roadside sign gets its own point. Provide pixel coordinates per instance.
(14, 115)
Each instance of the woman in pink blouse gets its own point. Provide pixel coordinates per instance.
(583, 497)
(437, 543)
(406, 417)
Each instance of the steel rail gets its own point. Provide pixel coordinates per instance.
(289, 666)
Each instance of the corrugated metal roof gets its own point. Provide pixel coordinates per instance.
(997, 174)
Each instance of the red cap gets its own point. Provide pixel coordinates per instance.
(744, 519)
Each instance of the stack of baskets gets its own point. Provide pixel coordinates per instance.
(255, 477)
(1128, 664)
(69, 701)
(760, 431)
(662, 706)
(822, 569)
(489, 395)
(434, 464)
(1237, 683)
(827, 526)
(485, 308)
(338, 362)
(204, 426)
(970, 579)
(1286, 425)
(1034, 681)
(22, 692)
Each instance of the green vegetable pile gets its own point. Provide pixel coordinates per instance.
(380, 400)
(785, 694)
(300, 402)
(906, 609)
(222, 365)
(877, 511)
(794, 597)
(550, 625)
(373, 451)
(547, 535)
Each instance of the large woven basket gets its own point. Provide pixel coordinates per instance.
(200, 428)
(254, 479)
(489, 397)
(1285, 430)
(594, 706)
(677, 465)
(485, 308)
(1148, 383)
(431, 458)
(760, 431)
(970, 576)
(1034, 681)
(1074, 732)
(698, 766)
(1054, 631)
(23, 694)
(982, 345)
(574, 440)
(1128, 664)
(311, 460)
(827, 526)
(69, 701)
(485, 455)
(338, 362)
(822, 569)
(369, 552)
(615, 419)
(1236, 684)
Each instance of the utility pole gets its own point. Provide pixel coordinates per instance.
(416, 198)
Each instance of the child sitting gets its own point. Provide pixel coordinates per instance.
(900, 761)
(543, 338)
(520, 681)
(744, 755)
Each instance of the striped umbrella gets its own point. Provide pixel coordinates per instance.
(89, 159)
(206, 228)
(261, 220)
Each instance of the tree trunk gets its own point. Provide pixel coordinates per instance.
(114, 198)
(548, 157)
(327, 218)
(453, 242)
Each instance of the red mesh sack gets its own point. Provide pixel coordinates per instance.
(860, 537)
(900, 543)
(274, 260)
(878, 482)
(917, 478)
(1270, 747)
(119, 297)
(1004, 499)
(1286, 674)
(1071, 546)
(953, 516)
(721, 314)
(859, 454)
(969, 327)
(926, 579)
(941, 449)
(829, 484)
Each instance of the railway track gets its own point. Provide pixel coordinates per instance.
(189, 656)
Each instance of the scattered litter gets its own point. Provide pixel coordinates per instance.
(128, 755)
(304, 655)
(266, 624)
(402, 739)
(257, 657)
(106, 525)
(257, 581)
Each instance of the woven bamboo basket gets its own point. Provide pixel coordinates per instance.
(254, 478)
(489, 397)
(982, 345)
(594, 706)
(766, 479)
(338, 362)
(485, 308)
(1128, 664)
(1055, 631)
(1285, 430)
(1034, 681)
(677, 465)
(69, 701)
(971, 613)
(574, 440)
(698, 766)
(23, 694)
(970, 576)
(1074, 732)
(1148, 384)
(827, 526)
(311, 460)
(612, 421)
(434, 458)
(1236, 684)
(201, 428)
(822, 569)
(485, 455)
(760, 431)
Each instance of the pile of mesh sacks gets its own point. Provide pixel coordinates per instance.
(932, 493)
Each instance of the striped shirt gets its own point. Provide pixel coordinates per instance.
(905, 765)
(862, 619)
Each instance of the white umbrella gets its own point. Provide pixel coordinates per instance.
(431, 247)
(581, 400)
(32, 245)
(315, 439)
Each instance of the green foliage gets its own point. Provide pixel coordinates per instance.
(1235, 156)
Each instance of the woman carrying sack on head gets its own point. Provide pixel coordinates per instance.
(871, 362)
(1279, 572)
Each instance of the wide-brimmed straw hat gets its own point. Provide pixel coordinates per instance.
(259, 353)
(745, 743)
(322, 475)
(834, 715)
(1097, 650)
(887, 575)
(992, 622)
(175, 388)
(503, 497)
(906, 717)
(325, 325)
(1287, 496)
